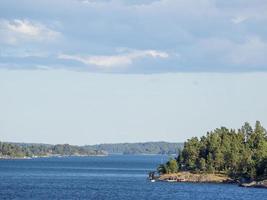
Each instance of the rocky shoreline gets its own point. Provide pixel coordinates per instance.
(255, 184)
(195, 178)
(189, 177)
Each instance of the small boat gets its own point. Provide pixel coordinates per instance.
(152, 176)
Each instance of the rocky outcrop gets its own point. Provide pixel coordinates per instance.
(255, 184)
(195, 177)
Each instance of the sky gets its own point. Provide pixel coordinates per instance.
(105, 71)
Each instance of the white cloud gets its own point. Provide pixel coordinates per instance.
(208, 34)
(123, 59)
(17, 31)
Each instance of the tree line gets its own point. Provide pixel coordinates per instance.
(238, 153)
(17, 150)
(139, 148)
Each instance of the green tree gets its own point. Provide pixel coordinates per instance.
(172, 166)
(191, 153)
(162, 169)
(202, 165)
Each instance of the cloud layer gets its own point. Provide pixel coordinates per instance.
(154, 35)
(104, 61)
(18, 31)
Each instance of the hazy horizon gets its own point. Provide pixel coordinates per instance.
(61, 106)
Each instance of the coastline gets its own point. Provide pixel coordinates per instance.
(188, 177)
(195, 178)
(46, 156)
(255, 184)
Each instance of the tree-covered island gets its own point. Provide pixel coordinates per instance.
(222, 155)
(24, 150)
(27, 150)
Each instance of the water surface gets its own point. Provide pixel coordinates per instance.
(115, 177)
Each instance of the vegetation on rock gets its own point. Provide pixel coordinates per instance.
(240, 154)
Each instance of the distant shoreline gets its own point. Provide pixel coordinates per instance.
(48, 156)
(59, 156)
(9, 150)
(96, 155)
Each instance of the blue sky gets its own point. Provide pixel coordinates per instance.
(87, 71)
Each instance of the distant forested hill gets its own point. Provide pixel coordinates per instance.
(20, 150)
(139, 148)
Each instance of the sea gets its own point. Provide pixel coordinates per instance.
(113, 177)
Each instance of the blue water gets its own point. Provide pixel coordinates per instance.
(112, 177)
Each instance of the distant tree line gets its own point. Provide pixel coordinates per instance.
(30, 150)
(239, 153)
(139, 148)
